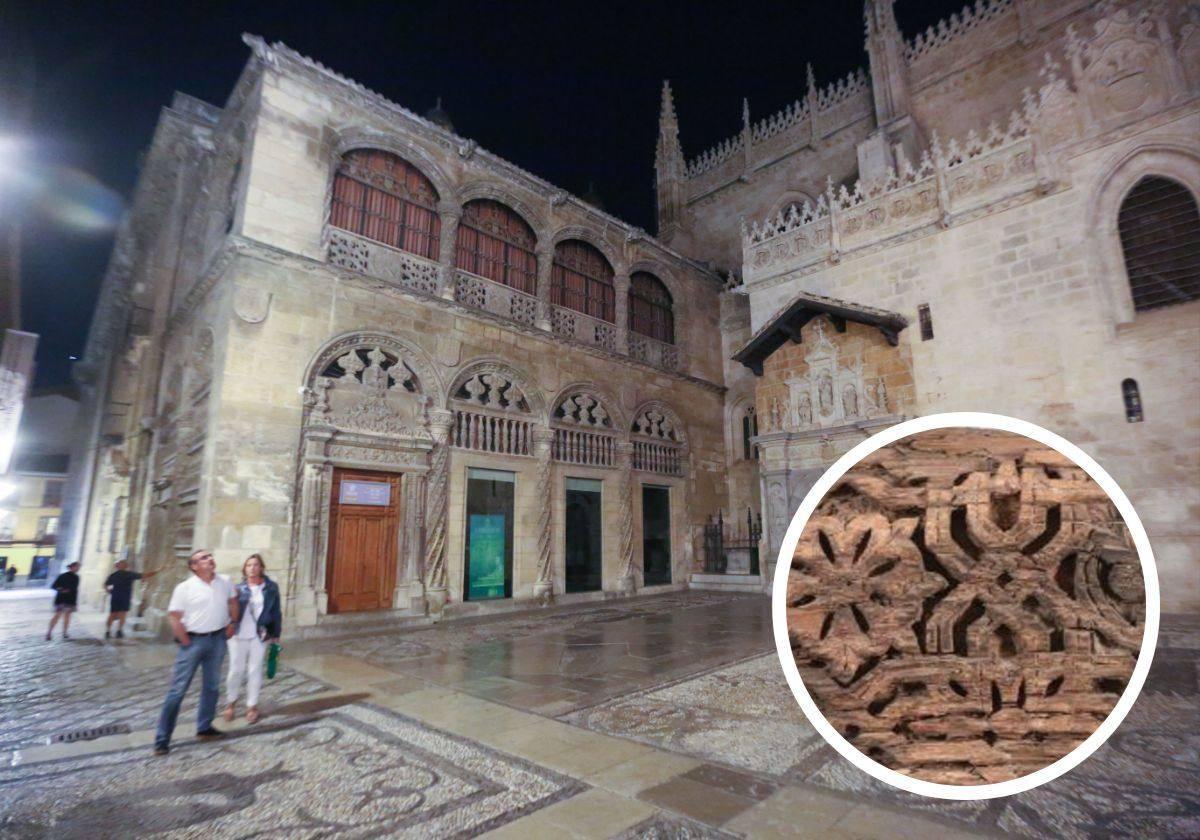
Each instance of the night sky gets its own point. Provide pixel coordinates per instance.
(569, 91)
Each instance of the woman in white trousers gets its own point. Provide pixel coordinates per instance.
(258, 626)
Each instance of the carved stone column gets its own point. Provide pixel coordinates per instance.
(543, 587)
(545, 265)
(621, 312)
(414, 525)
(438, 492)
(627, 583)
(446, 244)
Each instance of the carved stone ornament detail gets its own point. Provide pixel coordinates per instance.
(965, 606)
(370, 390)
(830, 393)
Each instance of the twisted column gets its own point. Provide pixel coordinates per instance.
(439, 480)
(627, 582)
(543, 588)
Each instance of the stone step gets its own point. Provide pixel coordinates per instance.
(726, 583)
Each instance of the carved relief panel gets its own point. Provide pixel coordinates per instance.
(831, 393)
(966, 606)
(371, 391)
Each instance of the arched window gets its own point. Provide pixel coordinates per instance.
(1159, 226)
(582, 280)
(496, 243)
(749, 430)
(381, 197)
(650, 311)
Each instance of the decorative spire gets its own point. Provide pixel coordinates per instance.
(810, 78)
(747, 138)
(669, 171)
(889, 73)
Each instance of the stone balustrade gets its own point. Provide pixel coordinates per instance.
(591, 449)
(356, 253)
(383, 262)
(584, 328)
(496, 298)
(653, 352)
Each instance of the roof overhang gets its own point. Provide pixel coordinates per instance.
(790, 320)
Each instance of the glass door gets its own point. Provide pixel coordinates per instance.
(489, 546)
(583, 531)
(656, 535)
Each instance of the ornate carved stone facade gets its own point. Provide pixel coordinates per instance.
(926, 178)
(965, 606)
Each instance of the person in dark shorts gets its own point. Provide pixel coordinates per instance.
(66, 599)
(119, 585)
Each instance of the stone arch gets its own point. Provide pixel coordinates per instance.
(620, 423)
(532, 393)
(1178, 160)
(735, 409)
(431, 382)
(416, 154)
(481, 189)
(676, 286)
(680, 431)
(594, 238)
(797, 197)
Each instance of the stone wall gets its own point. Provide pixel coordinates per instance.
(1028, 320)
(254, 492)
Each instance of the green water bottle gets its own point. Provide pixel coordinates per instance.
(272, 660)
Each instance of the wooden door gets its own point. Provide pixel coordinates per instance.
(364, 527)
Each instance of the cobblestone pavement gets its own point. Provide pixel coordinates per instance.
(658, 717)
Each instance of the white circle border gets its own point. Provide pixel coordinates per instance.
(978, 420)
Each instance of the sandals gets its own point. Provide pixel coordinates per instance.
(229, 712)
(252, 714)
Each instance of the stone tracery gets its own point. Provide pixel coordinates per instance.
(965, 607)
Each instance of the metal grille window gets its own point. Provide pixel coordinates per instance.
(749, 430)
(650, 308)
(387, 199)
(926, 319)
(494, 242)
(1159, 226)
(582, 280)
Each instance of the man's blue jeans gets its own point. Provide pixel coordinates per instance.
(207, 653)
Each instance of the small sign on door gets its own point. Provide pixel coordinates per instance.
(377, 493)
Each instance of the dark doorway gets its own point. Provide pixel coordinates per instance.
(656, 535)
(489, 534)
(583, 530)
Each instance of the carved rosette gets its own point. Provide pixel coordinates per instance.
(542, 440)
(438, 483)
(965, 606)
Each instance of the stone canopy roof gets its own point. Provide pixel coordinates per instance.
(786, 325)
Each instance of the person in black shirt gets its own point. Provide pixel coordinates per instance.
(66, 600)
(120, 586)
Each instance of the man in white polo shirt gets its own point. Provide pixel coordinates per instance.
(203, 612)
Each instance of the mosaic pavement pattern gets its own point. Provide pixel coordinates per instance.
(104, 687)
(553, 661)
(391, 774)
(1142, 783)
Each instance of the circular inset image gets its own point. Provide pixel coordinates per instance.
(965, 605)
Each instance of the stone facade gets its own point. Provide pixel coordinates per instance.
(246, 348)
(979, 180)
(288, 348)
